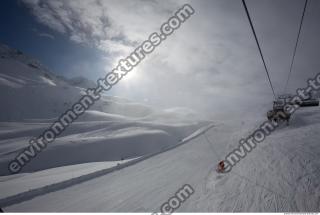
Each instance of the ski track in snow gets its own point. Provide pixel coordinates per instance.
(281, 174)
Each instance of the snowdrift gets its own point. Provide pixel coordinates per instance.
(113, 129)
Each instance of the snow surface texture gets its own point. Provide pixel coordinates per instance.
(42, 182)
(13, 185)
(281, 174)
(113, 129)
(114, 133)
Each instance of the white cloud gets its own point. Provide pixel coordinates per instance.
(112, 26)
(201, 60)
(43, 34)
(208, 63)
(50, 36)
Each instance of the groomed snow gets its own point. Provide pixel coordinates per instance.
(113, 129)
(12, 185)
(281, 174)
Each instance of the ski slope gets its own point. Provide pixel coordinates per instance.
(281, 174)
(114, 129)
(20, 184)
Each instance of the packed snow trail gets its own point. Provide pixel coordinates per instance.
(280, 174)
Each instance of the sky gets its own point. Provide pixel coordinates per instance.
(21, 30)
(210, 64)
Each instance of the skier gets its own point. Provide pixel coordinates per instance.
(221, 166)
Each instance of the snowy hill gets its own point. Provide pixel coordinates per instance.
(81, 82)
(112, 130)
(123, 156)
(280, 175)
(31, 91)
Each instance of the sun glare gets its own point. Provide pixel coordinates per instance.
(132, 76)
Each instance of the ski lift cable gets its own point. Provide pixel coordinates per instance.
(296, 45)
(260, 51)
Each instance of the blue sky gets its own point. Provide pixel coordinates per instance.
(20, 30)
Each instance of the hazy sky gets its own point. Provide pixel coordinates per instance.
(211, 63)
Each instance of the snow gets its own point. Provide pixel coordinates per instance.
(79, 171)
(25, 182)
(113, 129)
(81, 82)
(91, 141)
(48, 81)
(9, 83)
(280, 175)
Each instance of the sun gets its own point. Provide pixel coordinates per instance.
(131, 76)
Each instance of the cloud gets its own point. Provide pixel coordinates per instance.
(112, 26)
(210, 63)
(204, 59)
(50, 36)
(42, 34)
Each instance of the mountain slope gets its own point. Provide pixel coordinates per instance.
(112, 130)
(281, 174)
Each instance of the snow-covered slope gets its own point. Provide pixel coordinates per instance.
(29, 90)
(113, 129)
(28, 182)
(281, 174)
(81, 82)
